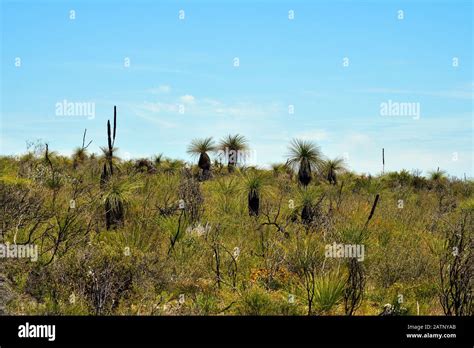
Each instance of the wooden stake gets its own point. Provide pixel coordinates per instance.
(383, 160)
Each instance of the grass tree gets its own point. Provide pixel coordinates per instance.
(329, 290)
(116, 196)
(201, 147)
(80, 155)
(108, 160)
(307, 157)
(231, 146)
(437, 179)
(157, 159)
(108, 169)
(310, 205)
(253, 184)
(171, 167)
(278, 169)
(144, 165)
(332, 168)
(307, 200)
(437, 175)
(226, 188)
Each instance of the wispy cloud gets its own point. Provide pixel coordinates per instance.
(151, 112)
(313, 135)
(162, 89)
(187, 99)
(463, 92)
(210, 107)
(159, 107)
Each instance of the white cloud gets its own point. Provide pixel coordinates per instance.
(207, 107)
(462, 92)
(162, 89)
(359, 139)
(159, 107)
(187, 99)
(313, 135)
(247, 110)
(153, 118)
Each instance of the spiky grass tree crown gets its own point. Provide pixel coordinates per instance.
(227, 186)
(437, 175)
(303, 150)
(120, 190)
(309, 195)
(117, 195)
(230, 146)
(79, 154)
(336, 165)
(235, 142)
(109, 156)
(307, 157)
(171, 167)
(157, 159)
(328, 291)
(200, 146)
(253, 181)
(278, 168)
(333, 167)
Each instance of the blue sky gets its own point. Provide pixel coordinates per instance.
(190, 62)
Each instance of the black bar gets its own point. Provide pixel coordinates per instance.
(220, 330)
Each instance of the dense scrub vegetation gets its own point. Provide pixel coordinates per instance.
(162, 237)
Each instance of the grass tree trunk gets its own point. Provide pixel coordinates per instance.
(113, 215)
(204, 164)
(103, 176)
(231, 164)
(307, 214)
(332, 177)
(254, 203)
(304, 173)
